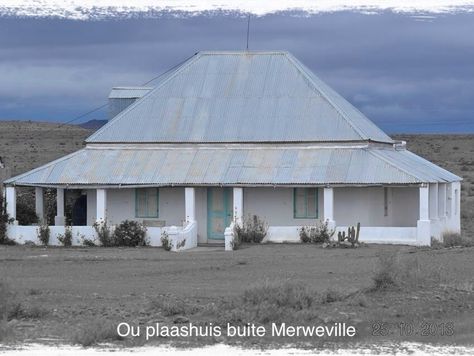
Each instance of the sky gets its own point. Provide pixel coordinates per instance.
(410, 74)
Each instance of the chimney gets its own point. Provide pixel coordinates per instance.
(122, 97)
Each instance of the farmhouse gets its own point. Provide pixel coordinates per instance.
(228, 135)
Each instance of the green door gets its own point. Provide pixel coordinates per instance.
(219, 212)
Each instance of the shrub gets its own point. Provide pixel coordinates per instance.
(104, 234)
(4, 220)
(88, 242)
(66, 238)
(453, 239)
(130, 233)
(236, 239)
(253, 229)
(165, 241)
(316, 234)
(387, 274)
(173, 306)
(44, 234)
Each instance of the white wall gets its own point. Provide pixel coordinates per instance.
(275, 206)
(366, 205)
(121, 206)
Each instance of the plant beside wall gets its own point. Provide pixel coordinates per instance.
(165, 241)
(318, 234)
(351, 238)
(130, 233)
(4, 221)
(104, 234)
(66, 238)
(44, 234)
(253, 230)
(236, 240)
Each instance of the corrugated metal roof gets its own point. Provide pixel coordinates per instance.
(129, 92)
(240, 97)
(236, 166)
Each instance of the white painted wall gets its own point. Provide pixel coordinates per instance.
(121, 206)
(275, 206)
(366, 205)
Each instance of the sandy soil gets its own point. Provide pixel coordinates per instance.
(77, 286)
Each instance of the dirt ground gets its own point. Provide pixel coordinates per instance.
(76, 287)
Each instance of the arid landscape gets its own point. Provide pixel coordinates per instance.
(79, 295)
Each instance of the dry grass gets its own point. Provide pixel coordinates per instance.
(95, 332)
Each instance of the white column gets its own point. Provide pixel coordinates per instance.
(39, 204)
(423, 226)
(329, 207)
(10, 198)
(190, 204)
(433, 196)
(101, 206)
(238, 205)
(59, 219)
(442, 200)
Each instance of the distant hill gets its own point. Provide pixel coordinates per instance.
(93, 124)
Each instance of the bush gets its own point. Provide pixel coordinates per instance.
(387, 274)
(44, 234)
(453, 239)
(253, 229)
(316, 234)
(25, 211)
(165, 241)
(104, 234)
(236, 239)
(4, 220)
(130, 233)
(66, 239)
(88, 243)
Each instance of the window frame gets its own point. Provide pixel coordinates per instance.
(157, 204)
(306, 216)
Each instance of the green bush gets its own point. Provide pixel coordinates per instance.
(253, 229)
(130, 233)
(44, 234)
(317, 234)
(66, 238)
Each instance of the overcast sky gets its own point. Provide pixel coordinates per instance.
(404, 73)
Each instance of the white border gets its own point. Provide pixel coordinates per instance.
(101, 9)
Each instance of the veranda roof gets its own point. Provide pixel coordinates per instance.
(235, 165)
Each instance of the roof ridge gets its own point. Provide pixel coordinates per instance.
(343, 114)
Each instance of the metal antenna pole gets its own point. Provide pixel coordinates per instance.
(248, 32)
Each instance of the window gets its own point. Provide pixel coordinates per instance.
(305, 203)
(385, 201)
(146, 203)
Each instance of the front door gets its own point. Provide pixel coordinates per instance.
(219, 212)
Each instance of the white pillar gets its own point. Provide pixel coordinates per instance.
(238, 205)
(423, 226)
(442, 202)
(59, 219)
(329, 207)
(10, 198)
(101, 206)
(190, 204)
(39, 204)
